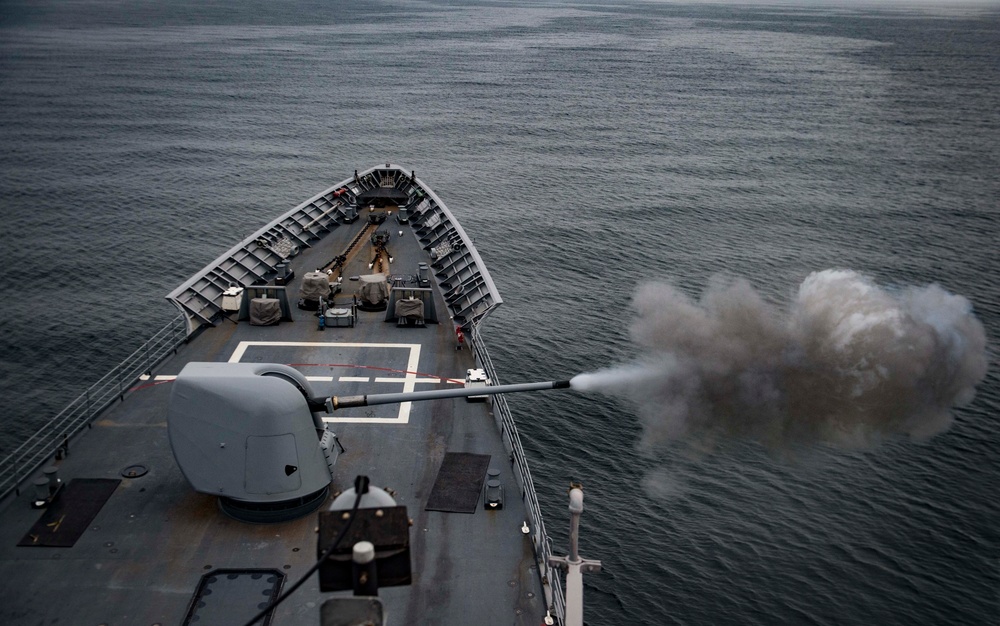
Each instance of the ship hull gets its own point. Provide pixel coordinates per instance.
(146, 554)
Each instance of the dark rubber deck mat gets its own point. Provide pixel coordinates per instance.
(459, 483)
(70, 515)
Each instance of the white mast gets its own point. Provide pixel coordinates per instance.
(574, 565)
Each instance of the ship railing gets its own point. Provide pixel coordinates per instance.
(551, 576)
(53, 439)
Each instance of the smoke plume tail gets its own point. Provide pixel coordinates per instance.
(845, 363)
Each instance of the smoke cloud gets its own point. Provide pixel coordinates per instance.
(846, 363)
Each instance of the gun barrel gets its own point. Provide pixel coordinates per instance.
(343, 402)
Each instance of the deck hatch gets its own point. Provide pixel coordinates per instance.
(233, 596)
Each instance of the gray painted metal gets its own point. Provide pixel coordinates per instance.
(147, 549)
(471, 291)
(344, 402)
(244, 431)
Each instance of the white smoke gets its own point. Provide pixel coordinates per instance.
(846, 363)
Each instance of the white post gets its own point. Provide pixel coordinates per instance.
(574, 565)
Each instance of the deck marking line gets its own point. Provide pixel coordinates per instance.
(397, 379)
(243, 345)
(409, 380)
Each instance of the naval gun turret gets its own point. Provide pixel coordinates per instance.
(253, 434)
(244, 432)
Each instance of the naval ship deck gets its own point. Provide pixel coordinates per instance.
(143, 554)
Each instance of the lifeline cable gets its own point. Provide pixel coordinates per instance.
(361, 487)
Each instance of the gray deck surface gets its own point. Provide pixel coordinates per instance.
(147, 549)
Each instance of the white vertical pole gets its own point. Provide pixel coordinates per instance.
(574, 564)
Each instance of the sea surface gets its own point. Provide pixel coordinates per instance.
(588, 148)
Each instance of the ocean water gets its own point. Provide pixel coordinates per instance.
(589, 148)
